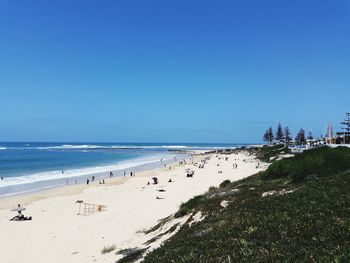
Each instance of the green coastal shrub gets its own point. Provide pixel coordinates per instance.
(187, 207)
(306, 221)
(311, 164)
(268, 152)
(108, 249)
(224, 183)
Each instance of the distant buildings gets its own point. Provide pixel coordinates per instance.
(330, 138)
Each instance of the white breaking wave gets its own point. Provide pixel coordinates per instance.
(69, 146)
(88, 146)
(3, 148)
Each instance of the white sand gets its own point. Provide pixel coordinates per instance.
(58, 234)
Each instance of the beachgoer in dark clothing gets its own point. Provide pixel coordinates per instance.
(87, 181)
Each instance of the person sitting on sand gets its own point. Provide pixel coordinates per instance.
(170, 181)
(20, 216)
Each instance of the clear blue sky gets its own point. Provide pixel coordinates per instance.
(171, 70)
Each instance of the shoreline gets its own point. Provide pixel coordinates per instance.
(57, 232)
(6, 202)
(81, 179)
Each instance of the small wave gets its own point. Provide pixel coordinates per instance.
(3, 148)
(69, 146)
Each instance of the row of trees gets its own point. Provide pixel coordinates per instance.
(346, 128)
(283, 135)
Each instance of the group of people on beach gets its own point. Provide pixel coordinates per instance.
(110, 176)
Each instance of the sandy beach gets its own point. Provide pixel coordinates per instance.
(58, 234)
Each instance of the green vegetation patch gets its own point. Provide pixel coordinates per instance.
(224, 183)
(131, 254)
(187, 207)
(108, 249)
(311, 164)
(304, 221)
(268, 152)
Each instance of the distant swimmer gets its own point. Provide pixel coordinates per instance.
(62, 172)
(2, 178)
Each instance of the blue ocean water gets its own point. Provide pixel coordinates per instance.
(27, 166)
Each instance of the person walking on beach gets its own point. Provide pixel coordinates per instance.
(87, 181)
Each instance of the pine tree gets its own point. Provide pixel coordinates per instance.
(270, 135)
(287, 135)
(266, 136)
(279, 133)
(300, 138)
(309, 136)
(346, 127)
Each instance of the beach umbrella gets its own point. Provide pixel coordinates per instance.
(18, 209)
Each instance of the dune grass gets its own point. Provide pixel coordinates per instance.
(187, 207)
(311, 223)
(313, 163)
(108, 249)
